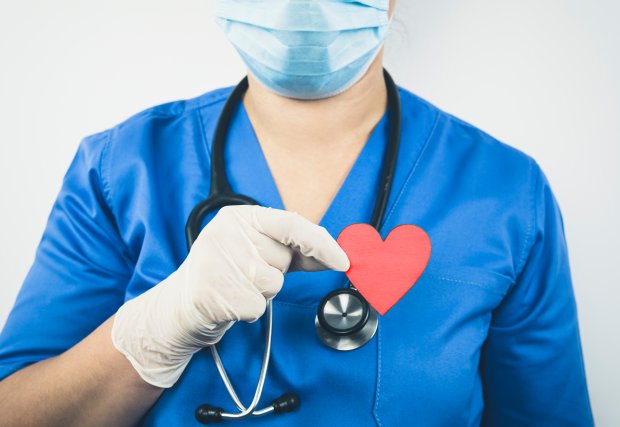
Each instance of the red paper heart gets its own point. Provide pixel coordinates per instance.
(384, 271)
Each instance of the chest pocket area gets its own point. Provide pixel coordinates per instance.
(429, 348)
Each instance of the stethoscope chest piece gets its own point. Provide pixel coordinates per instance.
(345, 321)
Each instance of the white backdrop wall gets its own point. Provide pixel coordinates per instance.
(539, 75)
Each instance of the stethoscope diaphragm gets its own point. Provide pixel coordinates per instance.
(344, 320)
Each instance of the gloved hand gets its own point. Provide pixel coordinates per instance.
(236, 264)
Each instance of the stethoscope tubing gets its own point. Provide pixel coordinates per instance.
(250, 410)
(221, 195)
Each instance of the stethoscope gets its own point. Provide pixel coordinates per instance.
(344, 320)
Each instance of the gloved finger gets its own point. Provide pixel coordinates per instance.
(241, 301)
(251, 307)
(268, 281)
(272, 252)
(284, 258)
(308, 239)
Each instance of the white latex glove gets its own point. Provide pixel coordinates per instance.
(236, 264)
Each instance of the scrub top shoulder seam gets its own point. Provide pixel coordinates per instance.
(178, 108)
(534, 177)
(102, 166)
(462, 122)
(106, 190)
(204, 137)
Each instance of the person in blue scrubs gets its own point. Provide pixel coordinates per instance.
(487, 336)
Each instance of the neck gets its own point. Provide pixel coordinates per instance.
(347, 118)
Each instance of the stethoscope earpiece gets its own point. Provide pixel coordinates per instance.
(207, 414)
(288, 402)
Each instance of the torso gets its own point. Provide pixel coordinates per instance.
(423, 364)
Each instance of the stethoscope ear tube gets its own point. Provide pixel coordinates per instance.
(391, 155)
(220, 193)
(288, 402)
(219, 180)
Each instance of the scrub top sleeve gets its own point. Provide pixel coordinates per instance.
(80, 271)
(531, 364)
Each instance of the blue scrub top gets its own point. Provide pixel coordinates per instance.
(487, 336)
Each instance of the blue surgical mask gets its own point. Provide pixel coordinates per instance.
(306, 49)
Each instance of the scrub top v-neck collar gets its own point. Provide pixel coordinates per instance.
(249, 174)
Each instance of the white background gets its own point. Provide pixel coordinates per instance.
(542, 76)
